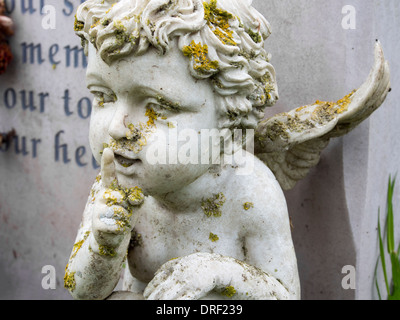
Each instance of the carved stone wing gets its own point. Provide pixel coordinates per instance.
(290, 144)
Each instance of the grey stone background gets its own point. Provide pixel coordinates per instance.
(334, 210)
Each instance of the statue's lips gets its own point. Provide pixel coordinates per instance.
(124, 164)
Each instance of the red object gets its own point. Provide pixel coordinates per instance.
(5, 56)
(6, 30)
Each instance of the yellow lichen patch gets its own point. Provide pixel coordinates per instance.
(343, 104)
(255, 36)
(130, 198)
(152, 115)
(301, 108)
(94, 191)
(105, 145)
(282, 128)
(170, 125)
(268, 86)
(212, 207)
(95, 24)
(213, 237)
(100, 102)
(218, 21)
(132, 133)
(107, 251)
(136, 138)
(327, 110)
(79, 244)
(78, 25)
(69, 280)
(228, 292)
(108, 11)
(174, 259)
(114, 185)
(105, 22)
(321, 112)
(121, 34)
(198, 53)
(134, 195)
(248, 205)
(92, 195)
(110, 198)
(121, 217)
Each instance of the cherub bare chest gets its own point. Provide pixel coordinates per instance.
(161, 235)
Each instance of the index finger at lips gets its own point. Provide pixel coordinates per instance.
(107, 167)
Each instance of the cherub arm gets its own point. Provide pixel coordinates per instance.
(290, 144)
(211, 275)
(92, 273)
(95, 264)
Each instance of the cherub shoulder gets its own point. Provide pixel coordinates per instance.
(256, 197)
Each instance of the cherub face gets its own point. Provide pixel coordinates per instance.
(139, 99)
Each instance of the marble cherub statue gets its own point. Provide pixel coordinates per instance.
(164, 74)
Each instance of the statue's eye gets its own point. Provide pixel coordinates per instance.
(156, 107)
(103, 97)
(165, 106)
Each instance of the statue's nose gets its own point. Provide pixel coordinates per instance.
(118, 126)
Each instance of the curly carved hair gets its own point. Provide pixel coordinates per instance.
(223, 39)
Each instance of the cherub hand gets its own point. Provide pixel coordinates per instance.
(114, 215)
(188, 278)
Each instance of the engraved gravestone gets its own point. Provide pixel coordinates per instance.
(47, 163)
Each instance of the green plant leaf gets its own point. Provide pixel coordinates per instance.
(398, 251)
(390, 220)
(376, 280)
(393, 289)
(382, 253)
(395, 275)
